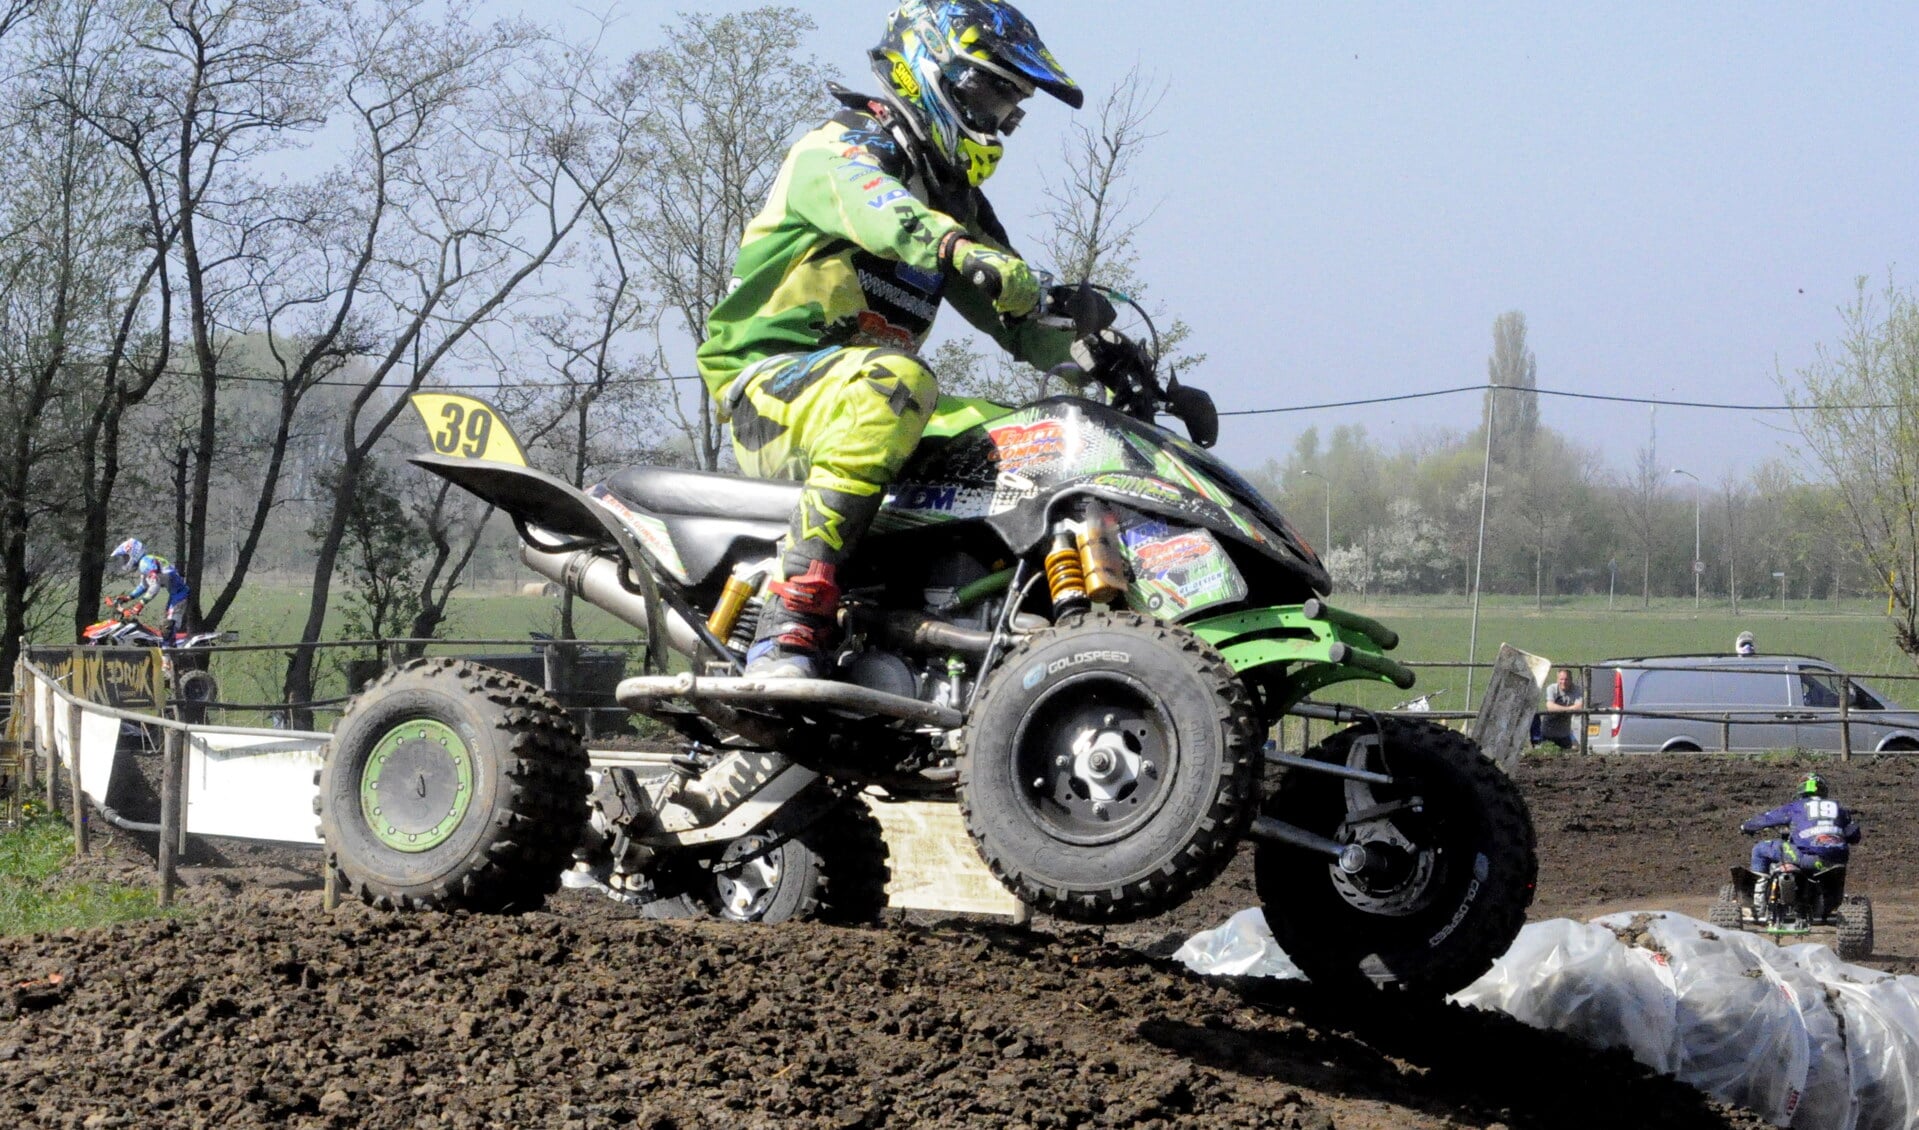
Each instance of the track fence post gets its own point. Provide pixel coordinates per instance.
(1845, 717)
(26, 729)
(50, 750)
(170, 813)
(80, 844)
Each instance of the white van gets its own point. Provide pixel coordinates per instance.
(1742, 704)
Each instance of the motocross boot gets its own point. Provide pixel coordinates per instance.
(799, 627)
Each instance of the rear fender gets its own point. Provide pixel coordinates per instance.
(1297, 649)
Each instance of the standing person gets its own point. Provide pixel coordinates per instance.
(1555, 723)
(876, 217)
(156, 574)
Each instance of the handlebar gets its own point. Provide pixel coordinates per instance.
(1127, 369)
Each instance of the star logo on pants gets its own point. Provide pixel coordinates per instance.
(820, 522)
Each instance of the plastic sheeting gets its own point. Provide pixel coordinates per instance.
(1792, 1033)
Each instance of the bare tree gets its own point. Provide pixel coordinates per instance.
(480, 154)
(1088, 231)
(732, 91)
(1643, 498)
(1857, 409)
(62, 264)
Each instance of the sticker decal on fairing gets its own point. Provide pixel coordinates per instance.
(1177, 570)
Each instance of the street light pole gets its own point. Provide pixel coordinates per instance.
(1697, 566)
(1327, 546)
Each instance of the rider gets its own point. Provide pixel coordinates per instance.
(155, 573)
(875, 218)
(1823, 831)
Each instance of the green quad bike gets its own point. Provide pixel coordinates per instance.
(1072, 622)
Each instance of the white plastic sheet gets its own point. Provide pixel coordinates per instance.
(1792, 1033)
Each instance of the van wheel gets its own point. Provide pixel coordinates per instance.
(1681, 747)
(1902, 745)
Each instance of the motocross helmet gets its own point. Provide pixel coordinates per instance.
(1814, 785)
(148, 564)
(956, 71)
(1745, 644)
(131, 550)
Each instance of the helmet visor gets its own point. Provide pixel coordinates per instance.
(987, 103)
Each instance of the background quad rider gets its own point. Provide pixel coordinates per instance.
(875, 218)
(1823, 832)
(156, 574)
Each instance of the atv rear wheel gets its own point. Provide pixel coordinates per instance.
(449, 784)
(832, 869)
(1725, 909)
(1109, 768)
(1854, 919)
(1453, 871)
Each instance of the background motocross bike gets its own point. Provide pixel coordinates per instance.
(1790, 900)
(188, 680)
(1071, 621)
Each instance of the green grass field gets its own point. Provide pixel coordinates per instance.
(1851, 634)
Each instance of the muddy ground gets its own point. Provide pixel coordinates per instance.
(256, 1008)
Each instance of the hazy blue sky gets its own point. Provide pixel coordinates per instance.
(1678, 197)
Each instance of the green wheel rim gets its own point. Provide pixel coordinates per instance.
(416, 785)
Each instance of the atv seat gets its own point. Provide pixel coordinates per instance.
(712, 519)
(669, 491)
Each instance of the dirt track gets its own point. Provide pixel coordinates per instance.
(257, 1009)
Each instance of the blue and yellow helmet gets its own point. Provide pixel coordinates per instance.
(959, 70)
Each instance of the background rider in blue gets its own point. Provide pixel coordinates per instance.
(156, 574)
(1823, 830)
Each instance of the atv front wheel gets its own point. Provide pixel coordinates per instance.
(1109, 767)
(1451, 872)
(1854, 919)
(449, 784)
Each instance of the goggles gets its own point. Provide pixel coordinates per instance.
(987, 102)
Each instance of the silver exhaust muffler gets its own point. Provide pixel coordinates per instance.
(595, 578)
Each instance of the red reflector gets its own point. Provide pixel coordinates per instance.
(1618, 698)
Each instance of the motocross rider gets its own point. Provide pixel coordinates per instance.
(1823, 830)
(155, 573)
(876, 216)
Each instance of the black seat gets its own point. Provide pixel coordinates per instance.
(713, 519)
(667, 491)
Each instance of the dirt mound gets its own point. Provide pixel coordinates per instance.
(258, 1008)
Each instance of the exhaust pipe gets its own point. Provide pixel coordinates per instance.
(595, 578)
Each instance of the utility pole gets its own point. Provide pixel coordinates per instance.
(1698, 566)
(1327, 545)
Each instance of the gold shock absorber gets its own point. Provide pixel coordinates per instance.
(1065, 578)
(733, 597)
(1099, 554)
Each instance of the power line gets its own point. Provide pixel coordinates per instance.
(1320, 406)
(1652, 400)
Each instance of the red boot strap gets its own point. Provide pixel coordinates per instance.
(815, 592)
(801, 637)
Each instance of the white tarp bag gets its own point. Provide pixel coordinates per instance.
(1792, 1033)
(1576, 978)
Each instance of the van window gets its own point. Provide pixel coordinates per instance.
(1666, 688)
(1752, 688)
(1817, 690)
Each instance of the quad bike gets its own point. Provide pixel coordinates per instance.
(188, 680)
(1072, 622)
(1789, 901)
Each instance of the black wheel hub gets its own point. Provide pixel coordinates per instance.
(1093, 758)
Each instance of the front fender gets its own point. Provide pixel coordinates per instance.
(1303, 647)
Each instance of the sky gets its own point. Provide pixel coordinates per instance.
(1343, 197)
